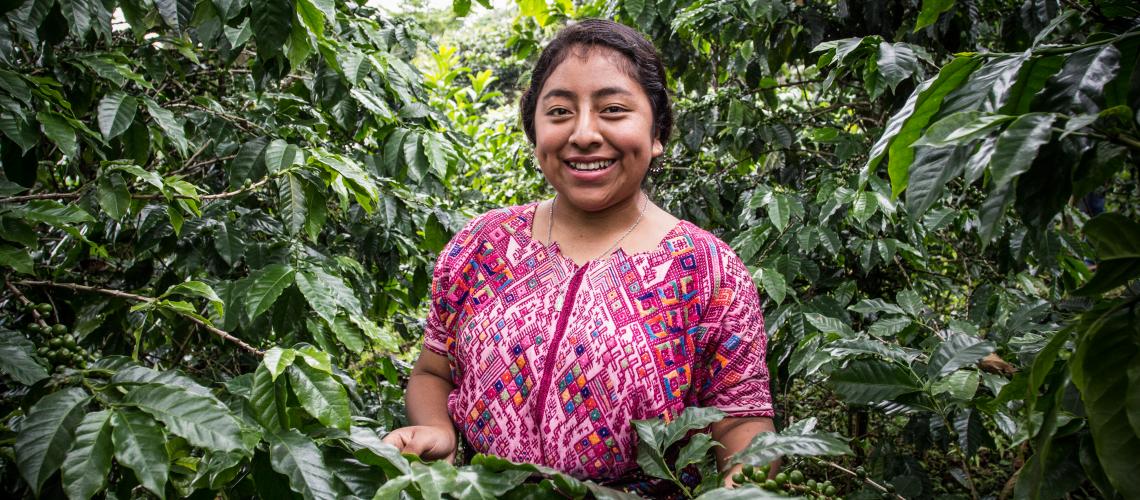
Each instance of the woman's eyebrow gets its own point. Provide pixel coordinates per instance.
(602, 92)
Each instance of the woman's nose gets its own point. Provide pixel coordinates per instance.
(586, 132)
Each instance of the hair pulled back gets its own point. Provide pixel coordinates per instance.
(643, 64)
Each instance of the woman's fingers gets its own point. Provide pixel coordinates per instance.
(418, 440)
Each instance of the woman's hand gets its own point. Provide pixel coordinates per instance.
(429, 442)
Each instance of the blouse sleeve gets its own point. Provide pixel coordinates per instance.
(446, 297)
(734, 376)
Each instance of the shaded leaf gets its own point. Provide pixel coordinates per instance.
(321, 395)
(298, 458)
(45, 435)
(202, 420)
(140, 445)
(87, 465)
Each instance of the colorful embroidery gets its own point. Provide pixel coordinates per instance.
(646, 335)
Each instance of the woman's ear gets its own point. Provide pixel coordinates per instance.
(657, 149)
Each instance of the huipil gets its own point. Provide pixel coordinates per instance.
(552, 360)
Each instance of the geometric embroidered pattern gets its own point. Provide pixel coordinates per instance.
(643, 336)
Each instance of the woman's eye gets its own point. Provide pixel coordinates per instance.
(613, 109)
(558, 112)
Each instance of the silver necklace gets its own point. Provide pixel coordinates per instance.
(550, 226)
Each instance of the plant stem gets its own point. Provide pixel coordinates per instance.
(142, 298)
(852, 473)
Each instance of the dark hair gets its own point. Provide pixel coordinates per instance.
(644, 65)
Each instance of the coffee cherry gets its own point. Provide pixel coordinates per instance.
(748, 470)
(781, 479)
(829, 491)
(861, 472)
(43, 351)
(796, 477)
(770, 485)
(44, 308)
(55, 342)
(738, 478)
(69, 341)
(59, 329)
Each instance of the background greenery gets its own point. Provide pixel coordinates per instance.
(218, 217)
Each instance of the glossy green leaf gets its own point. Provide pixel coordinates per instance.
(930, 11)
(321, 395)
(868, 381)
(297, 457)
(326, 292)
(265, 285)
(140, 445)
(896, 62)
(46, 433)
(87, 465)
(800, 439)
(435, 479)
(60, 131)
(695, 451)
(268, 399)
(17, 258)
(176, 13)
(114, 198)
(139, 375)
(272, 21)
(292, 202)
(16, 359)
(961, 127)
(116, 113)
(277, 360)
(476, 482)
(1079, 87)
(1017, 146)
(1100, 368)
(955, 352)
(959, 385)
(171, 127)
(773, 284)
(19, 129)
(202, 420)
(929, 100)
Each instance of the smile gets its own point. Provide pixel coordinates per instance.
(591, 166)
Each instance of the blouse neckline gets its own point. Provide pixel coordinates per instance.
(553, 249)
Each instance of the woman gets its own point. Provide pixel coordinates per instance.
(555, 324)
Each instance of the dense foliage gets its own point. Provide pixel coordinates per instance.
(218, 217)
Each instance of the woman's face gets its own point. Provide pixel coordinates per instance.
(594, 130)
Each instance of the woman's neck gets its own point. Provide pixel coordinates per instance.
(573, 222)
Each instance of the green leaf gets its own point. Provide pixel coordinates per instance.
(17, 258)
(140, 445)
(1114, 236)
(373, 104)
(828, 324)
(298, 458)
(16, 358)
(321, 395)
(272, 22)
(170, 125)
(1101, 367)
(931, 9)
(229, 243)
(476, 482)
(1079, 87)
(113, 196)
(276, 360)
(326, 292)
(1017, 146)
(956, 351)
(376, 452)
(53, 212)
(845, 348)
(201, 420)
(348, 333)
(116, 112)
(138, 375)
(799, 439)
(461, 7)
(59, 130)
(931, 170)
(88, 464)
(292, 202)
(280, 155)
(868, 381)
(929, 100)
(695, 451)
(176, 13)
(265, 285)
(18, 128)
(961, 127)
(779, 211)
(268, 399)
(435, 479)
(773, 284)
(960, 385)
(45, 435)
(1031, 79)
(896, 62)
(535, 9)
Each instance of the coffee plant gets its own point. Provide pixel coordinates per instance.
(218, 220)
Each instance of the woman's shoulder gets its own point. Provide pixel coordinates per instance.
(477, 228)
(717, 259)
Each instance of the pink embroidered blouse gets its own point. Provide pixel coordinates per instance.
(551, 360)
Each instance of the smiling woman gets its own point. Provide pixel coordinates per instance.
(555, 324)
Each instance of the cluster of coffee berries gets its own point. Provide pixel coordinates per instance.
(791, 482)
(59, 347)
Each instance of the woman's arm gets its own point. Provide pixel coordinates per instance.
(431, 434)
(735, 433)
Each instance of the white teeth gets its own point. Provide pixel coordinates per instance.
(594, 165)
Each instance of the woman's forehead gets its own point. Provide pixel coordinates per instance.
(594, 59)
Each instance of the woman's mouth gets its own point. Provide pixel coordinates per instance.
(592, 166)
